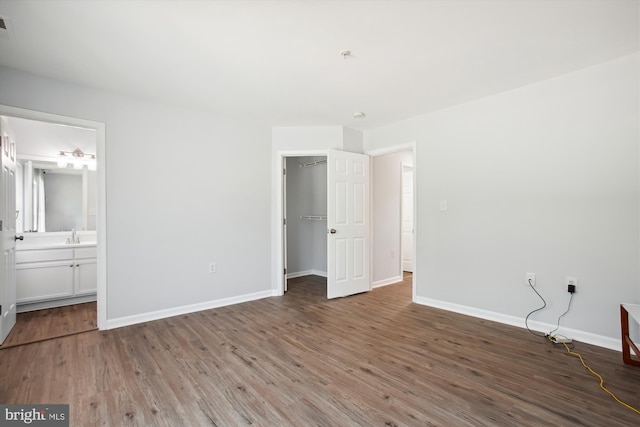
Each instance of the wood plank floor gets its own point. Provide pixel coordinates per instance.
(40, 325)
(374, 359)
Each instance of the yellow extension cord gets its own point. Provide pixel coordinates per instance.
(573, 353)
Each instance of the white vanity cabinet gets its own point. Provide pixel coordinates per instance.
(49, 274)
(85, 274)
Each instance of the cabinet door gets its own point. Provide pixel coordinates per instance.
(86, 277)
(46, 280)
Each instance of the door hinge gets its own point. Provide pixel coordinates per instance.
(0, 310)
(285, 271)
(284, 171)
(284, 221)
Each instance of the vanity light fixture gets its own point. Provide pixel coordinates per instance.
(76, 159)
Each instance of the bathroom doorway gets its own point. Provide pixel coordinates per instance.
(87, 271)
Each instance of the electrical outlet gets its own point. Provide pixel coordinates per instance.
(212, 267)
(530, 279)
(572, 284)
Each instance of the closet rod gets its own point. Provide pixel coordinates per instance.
(316, 163)
(314, 217)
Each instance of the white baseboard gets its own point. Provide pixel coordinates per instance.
(575, 334)
(386, 282)
(186, 309)
(295, 274)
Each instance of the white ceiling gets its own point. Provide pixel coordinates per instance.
(279, 62)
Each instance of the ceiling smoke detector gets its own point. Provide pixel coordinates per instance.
(345, 53)
(358, 115)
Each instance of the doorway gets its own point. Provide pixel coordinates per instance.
(305, 207)
(348, 216)
(393, 211)
(98, 213)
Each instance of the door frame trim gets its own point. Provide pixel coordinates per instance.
(101, 224)
(278, 278)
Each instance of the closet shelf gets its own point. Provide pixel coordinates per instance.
(314, 217)
(314, 163)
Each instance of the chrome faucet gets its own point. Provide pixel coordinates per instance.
(74, 238)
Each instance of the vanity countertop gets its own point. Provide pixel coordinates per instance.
(53, 245)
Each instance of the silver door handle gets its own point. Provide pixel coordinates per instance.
(332, 231)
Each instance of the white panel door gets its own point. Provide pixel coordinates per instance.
(348, 224)
(407, 218)
(7, 232)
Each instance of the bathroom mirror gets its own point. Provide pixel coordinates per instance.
(51, 199)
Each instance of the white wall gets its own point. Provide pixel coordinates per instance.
(541, 179)
(306, 138)
(352, 140)
(386, 210)
(183, 188)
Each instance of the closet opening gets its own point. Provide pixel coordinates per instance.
(305, 225)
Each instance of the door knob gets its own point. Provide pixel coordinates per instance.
(19, 237)
(332, 231)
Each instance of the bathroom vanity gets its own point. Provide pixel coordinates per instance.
(51, 272)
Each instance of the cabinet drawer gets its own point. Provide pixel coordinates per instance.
(86, 253)
(44, 255)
